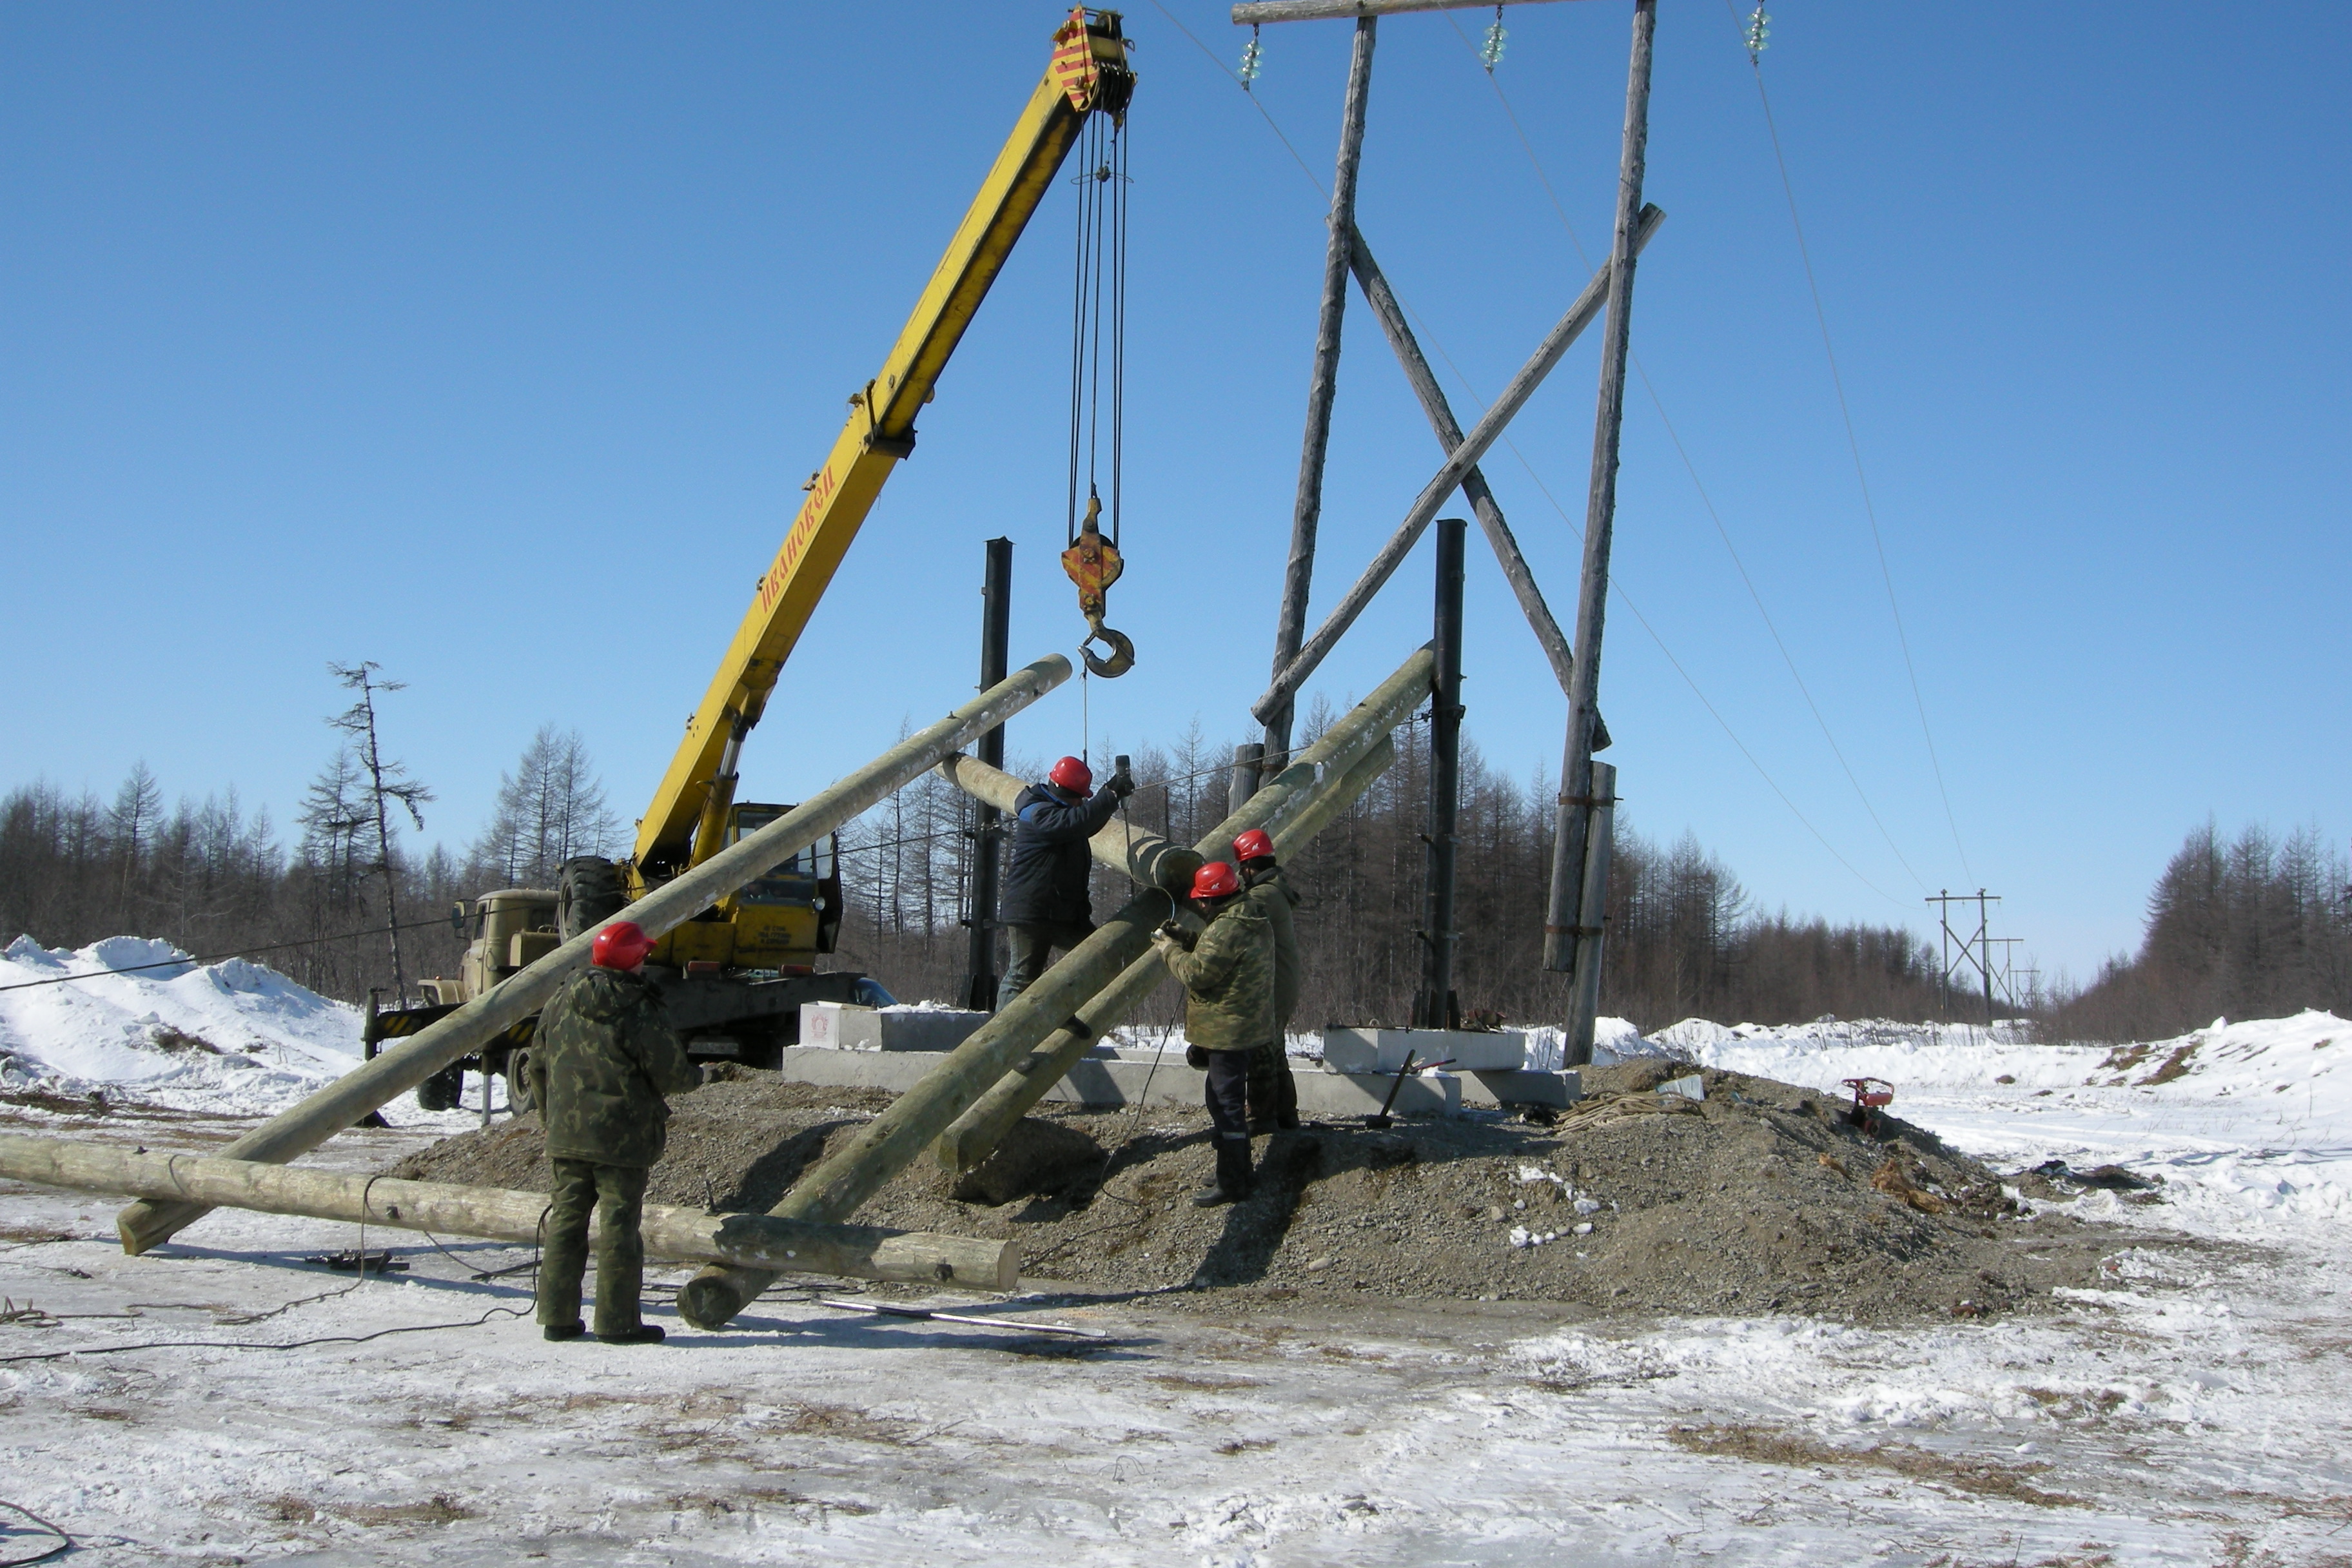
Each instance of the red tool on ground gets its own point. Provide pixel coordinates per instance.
(1871, 1094)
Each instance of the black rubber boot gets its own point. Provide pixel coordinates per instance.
(562, 1330)
(642, 1334)
(1233, 1183)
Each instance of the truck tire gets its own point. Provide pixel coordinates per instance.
(588, 892)
(518, 1100)
(445, 1091)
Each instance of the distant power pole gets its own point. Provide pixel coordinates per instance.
(1975, 947)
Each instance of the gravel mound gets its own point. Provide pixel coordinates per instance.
(1762, 1197)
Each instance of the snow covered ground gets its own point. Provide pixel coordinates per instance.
(2192, 1409)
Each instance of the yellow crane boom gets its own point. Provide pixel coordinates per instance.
(1088, 74)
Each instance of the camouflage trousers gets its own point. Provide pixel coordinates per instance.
(1273, 1092)
(580, 1188)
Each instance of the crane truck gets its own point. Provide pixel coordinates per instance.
(733, 979)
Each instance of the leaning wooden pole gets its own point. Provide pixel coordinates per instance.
(1322, 386)
(1575, 795)
(499, 1214)
(303, 1127)
(1143, 857)
(892, 1141)
(978, 1131)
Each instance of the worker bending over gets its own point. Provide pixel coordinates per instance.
(602, 1065)
(1045, 903)
(1273, 1092)
(1227, 972)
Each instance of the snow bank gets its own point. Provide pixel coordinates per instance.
(2249, 1124)
(234, 1037)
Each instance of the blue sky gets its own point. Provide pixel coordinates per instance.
(493, 343)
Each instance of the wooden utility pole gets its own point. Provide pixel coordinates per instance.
(1306, 511)
(1435, 1008)
(1576, 792)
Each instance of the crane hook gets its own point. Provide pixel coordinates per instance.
(1094, 564)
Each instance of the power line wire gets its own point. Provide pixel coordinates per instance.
(1614, 587)
(1705, 500)
(1853, 445)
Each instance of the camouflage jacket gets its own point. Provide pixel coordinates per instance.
(1271, 894)
(1228, 978)
(601, 1064)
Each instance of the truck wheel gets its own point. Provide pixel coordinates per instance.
(519, 1082)
(444, 1090)
(587, 893)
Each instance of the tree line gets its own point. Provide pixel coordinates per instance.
(2254, 927)
(2250, 926)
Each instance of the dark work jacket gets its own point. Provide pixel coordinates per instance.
(1046, 875)
(604, 1063)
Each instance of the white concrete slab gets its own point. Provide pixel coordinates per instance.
(846, 1026)
(1559, 1089)
(1368, 1049)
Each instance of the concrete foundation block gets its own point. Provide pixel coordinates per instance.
(1108, 1081)
(845, 1026)
(1557, 1090)
(1353, 1049)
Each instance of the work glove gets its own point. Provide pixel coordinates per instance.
(1196, 1058)
(1121, 784)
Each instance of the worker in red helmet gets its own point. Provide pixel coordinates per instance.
(602, 1063)
(1273, 1092)
(1227, 971)
(1044, 904)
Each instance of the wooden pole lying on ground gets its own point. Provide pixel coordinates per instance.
(1322, 385)
(499, 1214)
(1142, 858)
(303, 1127)
(892, 1141)
(1442, 484)
(976, 1133)
(1576, 791)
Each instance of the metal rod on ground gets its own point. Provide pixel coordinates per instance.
(930, 1314)
(498, 1214)
(303, 1127)
(1576, 792)
(1249, 761)
(1322, 385)
(1144, 858)
(1446, 481)
(976, 1133)
(1253, 11)
(1440, 413)
(1435, 1006)
(1593, 921)
(995, 650)
(884, 1146)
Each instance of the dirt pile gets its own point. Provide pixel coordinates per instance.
(1761, 1197)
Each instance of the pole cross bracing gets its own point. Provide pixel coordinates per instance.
(1580, 869)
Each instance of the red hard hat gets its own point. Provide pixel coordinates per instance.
(1072, 774)
(621, 945)
(1216, 879)
(1254, 844)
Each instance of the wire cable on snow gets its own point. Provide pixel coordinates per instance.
(64, 1540)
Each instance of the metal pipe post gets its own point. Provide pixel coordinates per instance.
(1249, 759)
(996, 639)
(1435, 1008)
(1593, 921)
(1574, 822)
(303, 1127)
(1322, 385)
